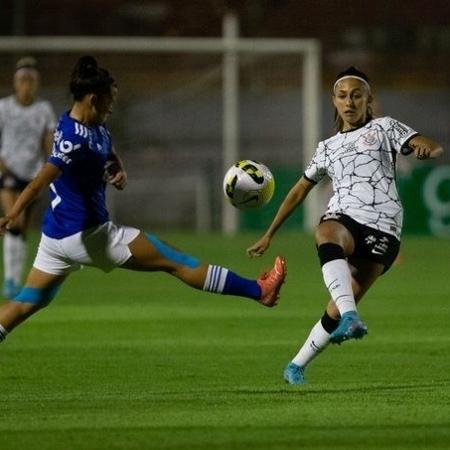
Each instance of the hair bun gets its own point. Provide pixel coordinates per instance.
(86, 66)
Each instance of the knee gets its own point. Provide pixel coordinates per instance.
(331, 232)
(329, 252)
(23, 310)
(326, 232)
(34, 299)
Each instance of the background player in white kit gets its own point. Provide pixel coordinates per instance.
(358, 238)
(26, 128)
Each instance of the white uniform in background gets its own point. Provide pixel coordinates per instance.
(22, 129)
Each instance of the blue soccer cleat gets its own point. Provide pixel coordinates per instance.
(294, 374)
(350, 327)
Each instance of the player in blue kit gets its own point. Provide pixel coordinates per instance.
(77, 229)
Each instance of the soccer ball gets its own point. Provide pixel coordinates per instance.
(248, 184)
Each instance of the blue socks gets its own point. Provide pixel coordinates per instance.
(223, 281)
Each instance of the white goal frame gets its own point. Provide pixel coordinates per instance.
(230, 46)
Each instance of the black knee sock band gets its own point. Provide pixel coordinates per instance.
(329, 324)
(15, 232)
(329, 252)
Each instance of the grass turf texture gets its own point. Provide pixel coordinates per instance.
(138, 361)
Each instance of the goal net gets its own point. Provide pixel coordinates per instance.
(187, 109)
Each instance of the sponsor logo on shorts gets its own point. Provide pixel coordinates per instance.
(381, 246)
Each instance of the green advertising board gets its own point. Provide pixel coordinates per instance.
(425, 194)
(260, 219)
(424, 190)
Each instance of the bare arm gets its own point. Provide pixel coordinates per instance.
(47, 143)
(46, 175)
(293, 199)
(425, 148)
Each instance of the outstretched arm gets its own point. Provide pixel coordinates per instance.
(425, 148)
(46, 175)
(293, 199)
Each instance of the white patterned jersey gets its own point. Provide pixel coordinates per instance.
(22, 129)
(361, 166)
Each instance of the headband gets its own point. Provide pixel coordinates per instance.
(27, 71)
(352, 76)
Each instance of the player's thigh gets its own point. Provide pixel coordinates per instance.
(148, 253)
(42, 280)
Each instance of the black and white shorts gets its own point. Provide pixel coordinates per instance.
(370, 244)
(10, 181)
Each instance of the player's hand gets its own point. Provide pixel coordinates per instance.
(119, 180)
(115, 175)
(259, 247)
(422, 152)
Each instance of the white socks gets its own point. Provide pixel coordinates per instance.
(338, 281)
(14, 256)
(317, 340)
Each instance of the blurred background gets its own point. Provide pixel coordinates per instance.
(168, 123)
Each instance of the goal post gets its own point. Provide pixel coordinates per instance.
(231, 47)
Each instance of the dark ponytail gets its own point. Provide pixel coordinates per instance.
(89, 78)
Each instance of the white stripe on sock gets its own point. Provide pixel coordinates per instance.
(215, 279)
(3, 333)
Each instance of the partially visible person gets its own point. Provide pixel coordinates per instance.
(358, 238)
(77, 229)
(27, 124)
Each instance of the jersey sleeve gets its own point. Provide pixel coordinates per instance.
(67, 148)
(398, 134)
(316, 170)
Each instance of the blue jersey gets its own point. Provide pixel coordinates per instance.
(78, 194)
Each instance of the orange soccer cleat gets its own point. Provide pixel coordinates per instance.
(270, 283)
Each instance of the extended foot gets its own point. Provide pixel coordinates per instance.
(271, 282)
(350, 327)
(294, 374)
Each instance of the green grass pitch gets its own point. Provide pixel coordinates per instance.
(138, 361)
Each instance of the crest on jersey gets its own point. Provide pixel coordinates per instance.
(370, 138)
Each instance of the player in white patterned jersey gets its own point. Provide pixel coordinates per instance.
(26, 128)
(361, 165)
(358, 238)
